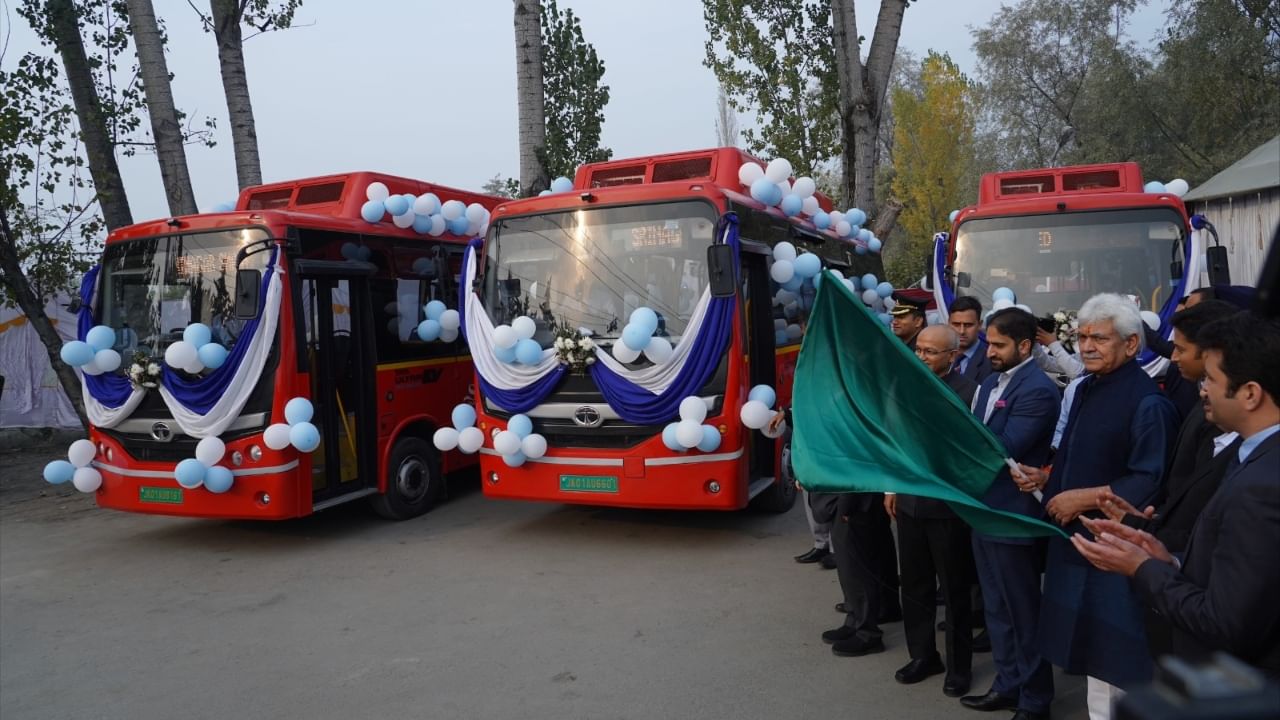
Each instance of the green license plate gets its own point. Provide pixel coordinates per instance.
(589, 483)
(165, 495)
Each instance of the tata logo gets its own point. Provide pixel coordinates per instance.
(161, 432)
(587, 416)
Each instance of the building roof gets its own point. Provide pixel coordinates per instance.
(1258, 170)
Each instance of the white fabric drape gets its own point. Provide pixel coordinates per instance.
(101, 415)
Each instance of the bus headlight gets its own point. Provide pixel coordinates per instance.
(255, 453)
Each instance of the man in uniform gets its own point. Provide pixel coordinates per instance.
(908, 316)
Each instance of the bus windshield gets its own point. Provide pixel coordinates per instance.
(590, 268)
(149, 290)
(1056, 262)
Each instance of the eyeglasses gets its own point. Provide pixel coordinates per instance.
(931, 353)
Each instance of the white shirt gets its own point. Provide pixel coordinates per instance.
(1002, 381)
(1221, 442)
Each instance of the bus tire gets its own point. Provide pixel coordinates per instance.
(781, 496)
(414, 480)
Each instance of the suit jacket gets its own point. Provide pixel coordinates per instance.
(1224, 598)
(929, 508)
(1024, 423)
(979, 367)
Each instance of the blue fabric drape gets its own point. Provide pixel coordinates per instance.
(109, 389)
(940, 259)
(526, 398)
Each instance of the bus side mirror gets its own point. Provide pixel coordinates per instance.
(248, 285)
(963, 279)
(720, 269)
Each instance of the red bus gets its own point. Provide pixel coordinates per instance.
(1058, 236)
(337, 301)
(643, 232)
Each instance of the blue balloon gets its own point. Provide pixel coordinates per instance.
(397, 205)
(224, 207)
(521, 425)
(190, 473)
(645, 318)
(212, 355)
(869, 280)
(669, 438)
(372, 211)
(457, 226)
(528, 351)
(198, 334)
(860, 249)
(856, 217)
(856, 281)
(821, 220)
(817, 281)
(762, 190)
(791, 205)
(351, 251)
(1004, 293)
(421, 224)
(780, 337)
(710, 441)
(885, 318)
(463, 416)
(808, 265)
(874, 244)
(59, 471)
(304, 436)
(1154, 186)
(764, 394)
(298, 410)
(100, 337)
(363, 252)
(884, 289)
(76, 353)
(434, 309)
(515, 460)
(794, 284)
(561, 184)
(636, 337)
(218, 479)
(952, 217)
(429, 330)
(863, 234)
(506, 355)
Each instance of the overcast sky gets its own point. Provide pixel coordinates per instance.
(426, 89)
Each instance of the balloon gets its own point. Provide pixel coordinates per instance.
(427, 204)
(515, 459)
(463, 416)
(794, 332)
(107, 360)
(528, 352)
(808, 265)
(298, 410)
(749, 173)
(506, 355)
(1151, 319)
(450, 320)
(889, 304)
(504, 337)
(693, 408)
(87, 479)
(870, 295)
(710, 441)
(224, 207)
(794, 284)
(821, 220)
(1154, 187)
(885, 318)
(1023, 308)
(350, 251)
(457, 226)
(762, 190)
(869, 280)
(809, 206)
(180, 354)
(59, 471)
(1178, 187)
(850, 283)
(372, 211)
(884, 289)
(212, 355)
(669, 435)
(506, 443)
(365, 253)
(210, 450)
(658, 350)
(376, 191)
(445, 439)
(76, 353)
(521, 425)
(874, 244)
(524, 326)
(792, 205)
(755, 414)
(438, 226)
(857, 217)
(804, 187)
(218, 479)
(428, 331)
(843, 228)
(434, 309)
(561, 184)
(397, 205)
(197, 334)
(81, 452)
(100, 337)
(952, 217)
(533, 446)
(1004, 293)
(304, 436)
(422, 226)
(636, 337)
(1001, 304)
(276, 436)
(624, 354)
(190, 473)
(689, 433)
(475, 213)
(452, 209)
(645, 318)
(544, 192)
(779, 169)
(863, 234)
(470, 439)
(782, 271)
(764, 394)
(404, 221)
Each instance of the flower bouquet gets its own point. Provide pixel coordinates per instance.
(143, 372)
(574, 348)
(1066, 327)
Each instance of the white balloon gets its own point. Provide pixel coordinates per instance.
(784, 251)
(785, 187)
(107, 360)
(91, 367)
(794, 331)
(87, 479)
(749, 173)
(475, 213)
(450, 320)
(210, 450)
(1151, 319)
(506, 443)
(689, 433)
(180, 354)
(377, 191)
(533, 446)
(452, 209)
(448, 335)
(782, 271)
(779, 170)
(1178, 187)
(843, 228)
(438, 226)
(195, 367)
(755, 414)
(525, 327)
(836, 216)
(426, 205)
(81, 452)
(624, 354)
(805, 187)
(445, 439)
(504, 337)
(277, 436)
(693, 408)
(470, 439)
(403, 221)
(810, 206)
(658, 351)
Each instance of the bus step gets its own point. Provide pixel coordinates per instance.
(759, 485)
(362, 492)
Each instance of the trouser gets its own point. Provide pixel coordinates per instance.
(1010, 581)
(861, 540)
(936, 552)
(821, 531)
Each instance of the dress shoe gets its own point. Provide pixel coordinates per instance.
(844, 632)
(842, 608)
(982, 643)
(1028, 715)
(956, 684)
(857, 647)
(814, 555)
(991, 701)
(917, 670)
(829, 562)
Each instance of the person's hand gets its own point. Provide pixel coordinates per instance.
(1067, 506)
(1140, 538)
(1044, 337)
(891, 505)
(1116, 507)
(1110, 553)
(1032, 478)
(776, 422)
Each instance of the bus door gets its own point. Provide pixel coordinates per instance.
(760, 349)
(340, 355)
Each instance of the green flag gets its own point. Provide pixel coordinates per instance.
(870, 417)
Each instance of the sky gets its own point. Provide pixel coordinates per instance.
(426, 89)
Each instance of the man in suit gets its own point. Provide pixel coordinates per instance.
(966, 319)
(934, 550)
(1019, 404)
(1221, 596)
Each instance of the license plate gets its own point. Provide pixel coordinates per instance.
(589, 483)
(164, 495)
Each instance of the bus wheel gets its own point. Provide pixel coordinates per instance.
(781, 496)
(414, 481)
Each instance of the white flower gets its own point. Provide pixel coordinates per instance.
(153, 369)
(1075, 324)
(591, 361)
(1060, 317)
(135, 369)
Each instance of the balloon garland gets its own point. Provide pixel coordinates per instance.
(771, 186)
(426, 214)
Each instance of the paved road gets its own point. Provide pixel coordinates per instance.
(480, 609)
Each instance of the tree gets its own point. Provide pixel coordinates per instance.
(165, 128)
(726, 121)
(775, 58)
(501, 187)
(573, 97)
(932, 145)
(532, 128)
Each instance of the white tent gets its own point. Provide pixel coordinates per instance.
(32, 396)
(1243, 203)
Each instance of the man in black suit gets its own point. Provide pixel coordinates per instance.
(966, 319)
(934, 550)
(1020, 406)
(1222, 595)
